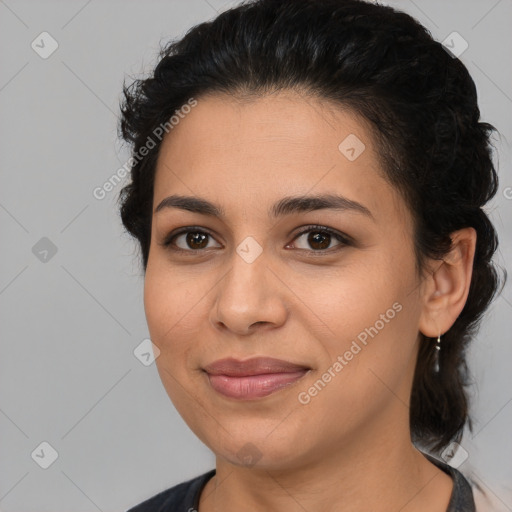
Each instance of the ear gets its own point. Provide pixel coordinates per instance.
(446, 288)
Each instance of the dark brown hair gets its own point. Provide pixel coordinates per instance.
(422, 106)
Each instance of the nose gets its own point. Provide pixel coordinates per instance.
(249, 297)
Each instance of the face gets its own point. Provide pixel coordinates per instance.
(333, 289)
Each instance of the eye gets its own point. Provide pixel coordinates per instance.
(194, 240)
(320, 237)
(188, 240)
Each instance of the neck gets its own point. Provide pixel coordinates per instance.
(373, 471)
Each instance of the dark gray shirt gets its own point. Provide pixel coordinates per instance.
(184, 497)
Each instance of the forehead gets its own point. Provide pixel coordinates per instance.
(268, 147)
(285, 117)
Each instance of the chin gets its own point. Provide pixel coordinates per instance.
(258, 451)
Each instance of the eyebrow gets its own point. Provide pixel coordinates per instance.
(285, 206)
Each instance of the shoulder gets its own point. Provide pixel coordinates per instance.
(462, 499)
(180, 497)
(470, 494)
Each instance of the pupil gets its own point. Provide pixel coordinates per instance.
(315, 239)
(200, 238)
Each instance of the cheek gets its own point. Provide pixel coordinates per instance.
(347, 300)
(171, 314)
(166, 302)
(170, 294)
(158, 304)
(176, 304)
(364, 318)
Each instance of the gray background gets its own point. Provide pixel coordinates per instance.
(70, 324)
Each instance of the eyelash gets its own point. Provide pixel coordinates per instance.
(343, 239)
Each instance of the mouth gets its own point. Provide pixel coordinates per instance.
(253, 378)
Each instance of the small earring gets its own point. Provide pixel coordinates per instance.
(436, 355)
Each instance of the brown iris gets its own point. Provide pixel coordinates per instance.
(319, 240)
(201, 239)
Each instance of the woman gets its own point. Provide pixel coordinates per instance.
(307, 189)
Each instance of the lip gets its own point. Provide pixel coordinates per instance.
(254, 366)
(254, 378)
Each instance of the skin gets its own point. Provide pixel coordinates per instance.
(349, 448)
